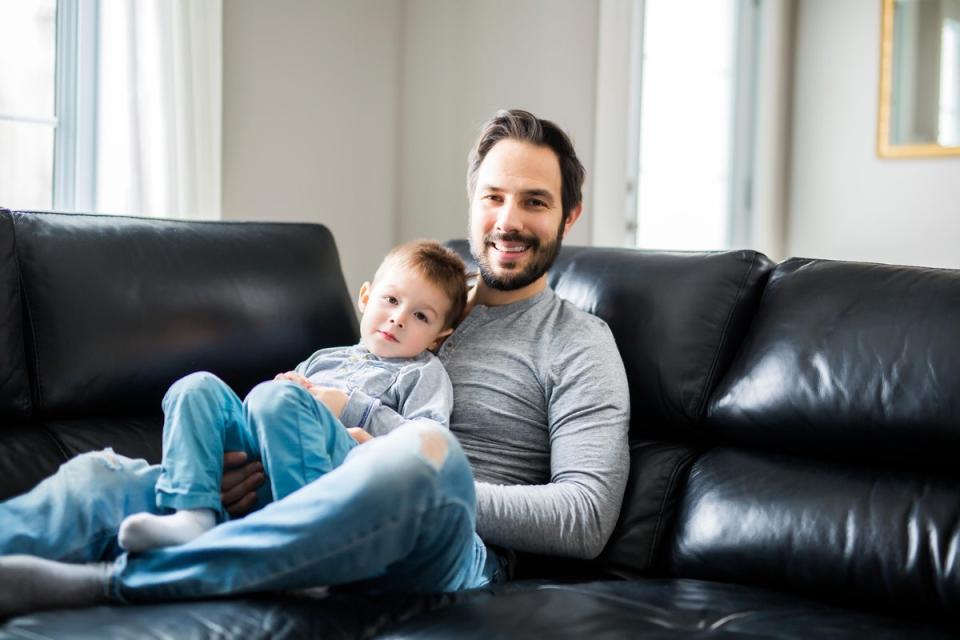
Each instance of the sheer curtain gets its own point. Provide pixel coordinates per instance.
(158, 124)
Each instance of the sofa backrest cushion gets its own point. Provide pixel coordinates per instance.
(678, 319)
(14, 379)
(854, 533)
(118, 308)
(849, 360)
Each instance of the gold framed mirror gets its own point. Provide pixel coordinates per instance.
(919, 114)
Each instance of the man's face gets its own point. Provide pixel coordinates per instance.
(516, 214)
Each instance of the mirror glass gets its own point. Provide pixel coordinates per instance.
(921, 76)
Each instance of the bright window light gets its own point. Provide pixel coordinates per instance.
(686, 124)
(27, 119)
(949, 129)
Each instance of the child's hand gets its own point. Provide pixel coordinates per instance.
(293, 376)
(359, 434)
(335, 399)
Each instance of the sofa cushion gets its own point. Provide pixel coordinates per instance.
(849, 360)
(848, 533)
(116, 312)
(14, 379)
(27, 456)
(655, 609)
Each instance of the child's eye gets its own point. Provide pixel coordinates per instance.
(420, 315)
(390, 299)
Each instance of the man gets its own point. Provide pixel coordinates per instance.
(540, 416)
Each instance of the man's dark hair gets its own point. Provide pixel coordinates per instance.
(517, 124)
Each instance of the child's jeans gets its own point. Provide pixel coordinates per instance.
(279, 423)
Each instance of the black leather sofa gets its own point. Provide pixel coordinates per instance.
(794, 435)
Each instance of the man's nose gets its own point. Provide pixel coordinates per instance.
(508, 216)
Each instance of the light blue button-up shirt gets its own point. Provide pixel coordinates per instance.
(383, 393)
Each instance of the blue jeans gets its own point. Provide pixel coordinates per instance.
(397, 515)
(280, 423)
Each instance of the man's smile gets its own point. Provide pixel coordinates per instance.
(510, 247)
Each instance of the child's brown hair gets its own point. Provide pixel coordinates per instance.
(439, 265)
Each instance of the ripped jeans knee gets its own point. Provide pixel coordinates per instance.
(434, 444)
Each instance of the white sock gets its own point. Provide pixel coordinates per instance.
(145, 531)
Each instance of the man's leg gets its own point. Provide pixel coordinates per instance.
(74, 514)
(399, 511)
(299, 439)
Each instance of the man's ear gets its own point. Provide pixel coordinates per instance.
(440, 338)
(574, 214)
(364, 296)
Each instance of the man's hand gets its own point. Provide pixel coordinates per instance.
(240, 482)
(293, 376)
(335, 399)
(359, 434)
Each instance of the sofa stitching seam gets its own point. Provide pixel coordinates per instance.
(704, 393)
(29, 314)
(671, 483)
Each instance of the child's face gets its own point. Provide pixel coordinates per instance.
(403, 314)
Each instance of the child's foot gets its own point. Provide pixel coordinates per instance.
(29, 583)
(145, 531)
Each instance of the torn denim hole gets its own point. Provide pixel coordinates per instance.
(433, 448)
(109, 457)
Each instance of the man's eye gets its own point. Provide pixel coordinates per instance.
(533, 202)
(419, 315)
(493, 196)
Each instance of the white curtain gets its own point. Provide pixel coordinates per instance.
(159, 114)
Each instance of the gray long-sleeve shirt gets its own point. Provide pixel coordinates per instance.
(382, 393)
(541, 409)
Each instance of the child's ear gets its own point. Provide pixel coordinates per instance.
(364, 296)
(440, 338)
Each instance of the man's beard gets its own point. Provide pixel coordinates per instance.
(543, 258)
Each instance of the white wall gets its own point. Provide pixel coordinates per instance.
(465, 59)
(844, 201)
(360, 114)
(310, 103)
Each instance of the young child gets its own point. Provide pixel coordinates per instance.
(297, 424)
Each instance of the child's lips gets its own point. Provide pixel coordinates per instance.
(389, 336)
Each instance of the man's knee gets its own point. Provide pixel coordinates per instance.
(434, 443)
(101, 469)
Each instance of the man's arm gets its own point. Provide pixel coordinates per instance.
(574, 514)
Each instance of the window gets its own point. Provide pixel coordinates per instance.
(27, 114)
(696, 100)
(949, 114)
(111, 107)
